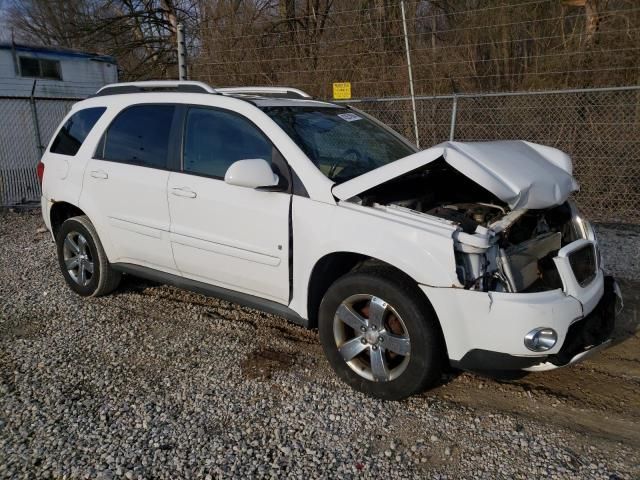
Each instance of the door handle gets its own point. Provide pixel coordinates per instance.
(184, 192)
(101, 174)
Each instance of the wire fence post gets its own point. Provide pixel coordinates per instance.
(413, 97)
(34, 119)
(182, 53)
(454, 114)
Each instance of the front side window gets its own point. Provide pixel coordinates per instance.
(40, 68)
(140, 135)
(75, 130)
(341, 143)
(214, 139)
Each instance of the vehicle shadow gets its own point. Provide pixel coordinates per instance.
(133, 284)
(628, 322)
(497, 375)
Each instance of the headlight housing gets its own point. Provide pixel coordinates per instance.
(584, 229)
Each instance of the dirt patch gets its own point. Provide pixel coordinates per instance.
(29, 328)
(263, 363)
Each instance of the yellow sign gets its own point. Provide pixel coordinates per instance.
(342, 90)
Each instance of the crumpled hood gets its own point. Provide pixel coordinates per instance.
(521, 174)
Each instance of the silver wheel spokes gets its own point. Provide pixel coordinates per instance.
(77, 258)
(372, 338)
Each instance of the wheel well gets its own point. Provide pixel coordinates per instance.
(331, 267)
(60, 211)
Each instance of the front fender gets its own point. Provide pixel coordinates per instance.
(420, 248)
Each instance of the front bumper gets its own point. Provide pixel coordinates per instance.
(485, 331)
(590, 334)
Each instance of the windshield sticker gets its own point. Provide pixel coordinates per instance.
(350, 117)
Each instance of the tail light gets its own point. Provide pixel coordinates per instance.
(40, 172)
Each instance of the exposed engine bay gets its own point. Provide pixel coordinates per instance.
(496, 248)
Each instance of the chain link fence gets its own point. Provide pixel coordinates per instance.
(26, 126)
(598, 128)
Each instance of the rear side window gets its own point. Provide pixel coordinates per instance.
(214, 139)
(75, 130)
(140, 135)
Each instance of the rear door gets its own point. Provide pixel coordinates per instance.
(67, 157)
(125, 184)
(230, 236)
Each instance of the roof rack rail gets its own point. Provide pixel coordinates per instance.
(278, 92)
(155, 86)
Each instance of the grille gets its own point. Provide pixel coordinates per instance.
(583, 264)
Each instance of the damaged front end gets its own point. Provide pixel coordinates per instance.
(503, 250)
(531, 291)
(516, 229)
(525, 250)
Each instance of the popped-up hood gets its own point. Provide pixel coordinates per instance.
(521, 174)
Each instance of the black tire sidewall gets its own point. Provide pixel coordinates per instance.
(425, 362)
(76, 226)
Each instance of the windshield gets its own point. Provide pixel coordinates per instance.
(341, 143)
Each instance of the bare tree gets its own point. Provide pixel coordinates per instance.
(469, 45)
(139, 33)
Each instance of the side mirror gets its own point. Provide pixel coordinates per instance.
(251, 173)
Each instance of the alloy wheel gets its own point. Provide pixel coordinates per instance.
(77, 258)
(371, 338)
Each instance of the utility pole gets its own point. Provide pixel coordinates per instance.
(413, 97)
(34, 118)
(182, 54)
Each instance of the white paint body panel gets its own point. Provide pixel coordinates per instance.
(251, 173)
(420, 247)
(231, 236)
(239, 238)
(137, 217)
(499, 321)
(522, 174)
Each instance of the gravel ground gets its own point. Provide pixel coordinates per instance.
(620, 245)
(155, 382)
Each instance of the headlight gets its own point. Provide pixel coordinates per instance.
(585, 230)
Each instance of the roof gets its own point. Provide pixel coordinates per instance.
(59, 52)
(258, 96)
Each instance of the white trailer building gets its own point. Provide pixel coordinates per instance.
(57, 72)
(38, 85)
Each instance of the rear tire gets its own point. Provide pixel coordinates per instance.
(390, 346)
(82, 259)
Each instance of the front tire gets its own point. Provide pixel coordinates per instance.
(82, 259)
(380, 334)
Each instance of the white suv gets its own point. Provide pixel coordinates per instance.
(464, 254)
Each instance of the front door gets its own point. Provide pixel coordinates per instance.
(230, 236)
